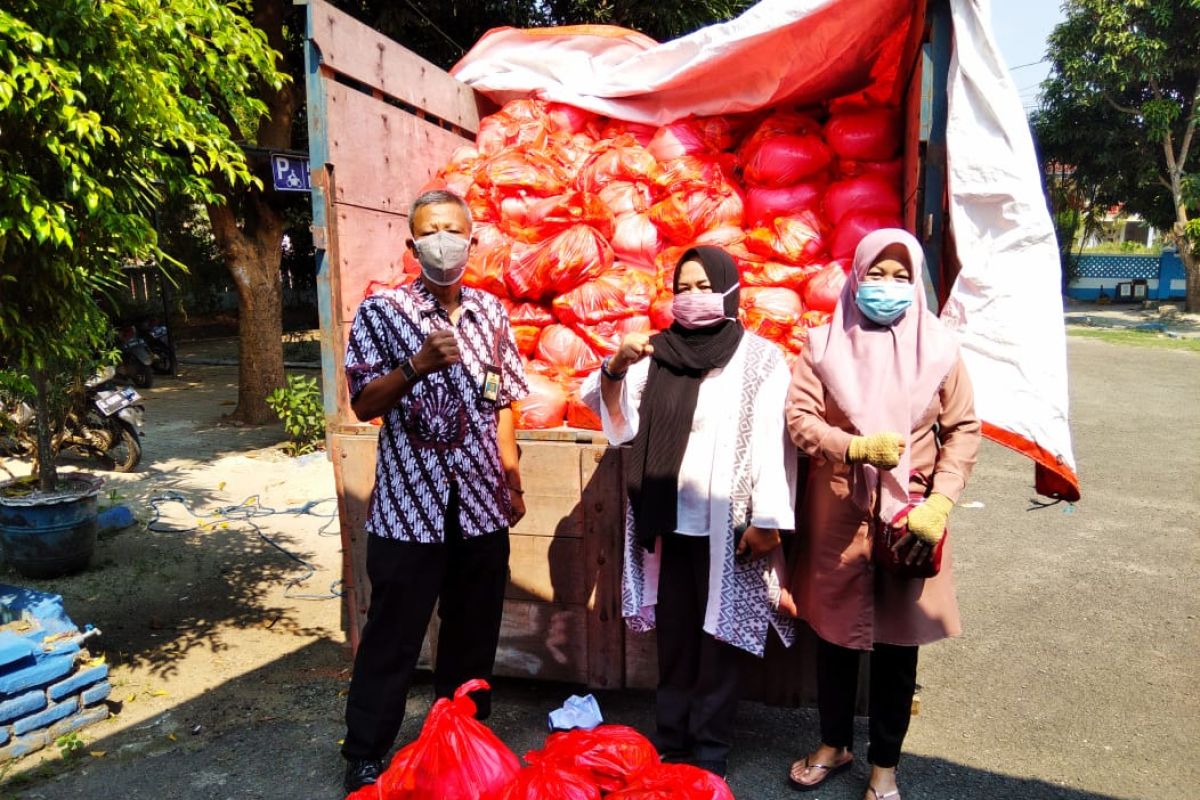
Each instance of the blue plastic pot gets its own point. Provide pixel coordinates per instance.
(47, 536)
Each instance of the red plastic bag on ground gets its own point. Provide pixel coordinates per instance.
(456, 757)
(636, 239)
(612, 296)
(871, 134)
(822, 290)
(764, 204)
(865, 193)
(795, 239)
(549, 782)
(786, 159)
(566, 351)
(854, 226)
(674, 782)
(608, 755)
(544, 407)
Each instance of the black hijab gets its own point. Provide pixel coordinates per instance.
(680, 360)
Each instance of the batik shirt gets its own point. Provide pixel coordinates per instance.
(444, 430)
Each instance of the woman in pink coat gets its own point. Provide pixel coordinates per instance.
(882, 404)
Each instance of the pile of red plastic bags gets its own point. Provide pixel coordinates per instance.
(456, 757)
(581, 220)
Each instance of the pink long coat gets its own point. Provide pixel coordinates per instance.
(836, 587)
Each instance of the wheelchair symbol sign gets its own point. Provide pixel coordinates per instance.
(290, 173)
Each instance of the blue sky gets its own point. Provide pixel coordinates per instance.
(1021, 28)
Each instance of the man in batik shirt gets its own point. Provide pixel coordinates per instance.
(438, 362)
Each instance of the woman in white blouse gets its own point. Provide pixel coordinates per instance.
(711, 481)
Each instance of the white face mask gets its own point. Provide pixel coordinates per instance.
(443, 256)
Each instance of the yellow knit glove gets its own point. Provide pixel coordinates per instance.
(928, 521)
(879, 450)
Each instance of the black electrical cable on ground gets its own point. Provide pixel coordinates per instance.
(246, 512)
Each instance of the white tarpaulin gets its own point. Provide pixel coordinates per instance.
(1005, 304)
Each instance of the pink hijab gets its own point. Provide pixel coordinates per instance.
(883, 377)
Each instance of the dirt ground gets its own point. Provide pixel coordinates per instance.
(1075, 679)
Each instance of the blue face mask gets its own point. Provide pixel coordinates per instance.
(884, 302)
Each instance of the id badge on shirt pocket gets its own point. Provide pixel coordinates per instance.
(491, 384)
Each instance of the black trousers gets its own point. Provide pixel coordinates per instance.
(467, 578)
(698, 676)
(892, 684)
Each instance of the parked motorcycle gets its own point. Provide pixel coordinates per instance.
(137, 362)
(105, 423)
(158, 339)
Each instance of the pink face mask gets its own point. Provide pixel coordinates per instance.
(700, 309)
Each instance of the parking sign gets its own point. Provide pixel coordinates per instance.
(290, 173)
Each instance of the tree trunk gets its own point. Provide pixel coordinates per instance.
(252, 255)
(47, 471)
(1191, 267)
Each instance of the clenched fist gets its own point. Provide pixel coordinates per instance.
(439, 351)
(634, 347)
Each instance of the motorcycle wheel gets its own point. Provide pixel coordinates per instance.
(126, 452)
(164, 360)
(143, 376)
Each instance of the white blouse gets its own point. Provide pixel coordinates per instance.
(716, 416)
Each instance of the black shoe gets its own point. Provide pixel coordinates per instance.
(361, 772)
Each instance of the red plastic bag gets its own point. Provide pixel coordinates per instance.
(570, 119)
(674, 782)
(682, 138)
(533, 220)
(636, 239)
(891, 171)
(795, 239)
(567, 352)
(786, 159)
(523, 171)
(661, 315)
(559, 264)
(764, 204)
(521, 123)
(608, 756)
(456, 757)
(627, 197)
(778, 124)
(580, 415)
(771, 312)
(530, 314)
(872, 134)
(822, 291)
(612, 296)
(865, 193)
(713, 172)
(605, 337)
(772, 273)
(549, 782)
(623, 160)
(526, 337)
(854, 226)
(544, 407)
(488, 259)
(683, 216)
(634, 131)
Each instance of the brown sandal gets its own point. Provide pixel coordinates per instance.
(829, 770)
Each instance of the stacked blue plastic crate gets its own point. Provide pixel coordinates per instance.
(49, 683)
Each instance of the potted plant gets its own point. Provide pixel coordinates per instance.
(105, 109)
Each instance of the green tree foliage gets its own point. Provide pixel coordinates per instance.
(106, 107)
(1121, 108)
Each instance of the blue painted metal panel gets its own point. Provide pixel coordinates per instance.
(931, 227)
